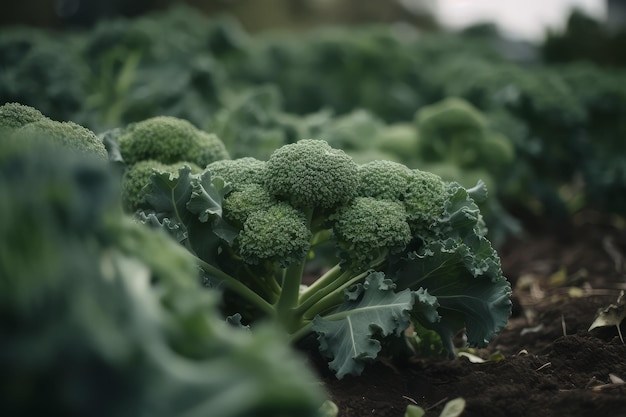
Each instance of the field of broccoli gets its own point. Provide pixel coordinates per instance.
(344, 222)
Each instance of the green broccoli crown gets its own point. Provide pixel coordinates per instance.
(452, 128)
(425, 201)
(369, 228)
(384, 180)
(244, 200)
(138, 176)
(278, 234)
(169, 140)
(311, 174)
(238, 172)
(16, 115)
(66, 134)
(422, 194)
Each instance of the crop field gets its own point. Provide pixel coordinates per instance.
(199, 221)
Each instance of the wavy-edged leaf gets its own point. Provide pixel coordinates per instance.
(173, 228)
(207, 196)
(467, 280)
(168, 193)
(348, 335)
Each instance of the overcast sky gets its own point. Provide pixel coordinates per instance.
(526, 19)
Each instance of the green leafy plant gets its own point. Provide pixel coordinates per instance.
(393, 245)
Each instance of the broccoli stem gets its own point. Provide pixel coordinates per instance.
(236, 286)
(322, 282)
(288, 299)
(333, 298)
(326, 284)
(290, 292)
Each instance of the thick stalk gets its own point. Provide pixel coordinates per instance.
(290, 290)
(288, 299)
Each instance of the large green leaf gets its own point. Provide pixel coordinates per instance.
(189, 206)
(207, 196)
(467, 280)
(168, 194)
(349, 334)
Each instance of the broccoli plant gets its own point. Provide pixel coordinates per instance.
(394, 246)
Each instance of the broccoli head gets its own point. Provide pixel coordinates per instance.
(425, 201)
(238, 172)
(452, 128)
(279, 234)
(169, 140)
(311, 174)
(384, 179)
(16, 115)
(244, 200)
(69, 135)
(368, 229)
(422, 194)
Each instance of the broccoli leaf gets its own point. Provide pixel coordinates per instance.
(189, 206)
(465, 277)
(169, 194)
(207, 196)
(172, 228)
(348, 335)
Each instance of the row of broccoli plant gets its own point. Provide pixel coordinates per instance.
(102, 316)
(396, 247)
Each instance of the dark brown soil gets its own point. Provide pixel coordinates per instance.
(552, 366)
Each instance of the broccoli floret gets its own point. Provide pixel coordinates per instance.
(422, 194)
(169, 140)
(69, 135)
(278, 234)
(311, 174)
(15, 115)
(244, 200)
(425, 201)
(368, 229)
(136, 178)
(238, 172)
(384, 179)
